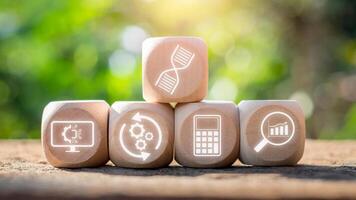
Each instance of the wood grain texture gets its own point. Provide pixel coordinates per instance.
(174, 69)
(326, 171)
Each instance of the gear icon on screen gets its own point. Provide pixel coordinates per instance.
(140, 144)
(137, 130)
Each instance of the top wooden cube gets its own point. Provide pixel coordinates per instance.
(175, 69)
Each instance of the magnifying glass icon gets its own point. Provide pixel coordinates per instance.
(280, 132)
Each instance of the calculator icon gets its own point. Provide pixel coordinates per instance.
(207, 135)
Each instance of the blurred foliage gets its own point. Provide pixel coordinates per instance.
(90, 49)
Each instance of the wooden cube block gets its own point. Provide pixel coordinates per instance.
(74, 133)
(175, 69)
(141, 134)
(272, 132)
(206, 134)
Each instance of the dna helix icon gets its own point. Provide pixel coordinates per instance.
(169, 79)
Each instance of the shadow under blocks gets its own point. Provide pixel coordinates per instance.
(313, 172)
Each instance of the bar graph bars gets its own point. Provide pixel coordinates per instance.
(278, 130)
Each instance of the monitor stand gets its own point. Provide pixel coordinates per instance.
(72, 150)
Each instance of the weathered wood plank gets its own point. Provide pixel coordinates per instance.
(327, 170)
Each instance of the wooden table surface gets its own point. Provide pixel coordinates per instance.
(327, 171)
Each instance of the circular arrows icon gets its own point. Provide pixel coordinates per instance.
(139, 118)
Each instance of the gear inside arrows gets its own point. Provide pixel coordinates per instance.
(138, 132)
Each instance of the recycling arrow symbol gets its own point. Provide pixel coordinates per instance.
(139, 118)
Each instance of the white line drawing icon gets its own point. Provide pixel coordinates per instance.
(141, 137)
(207, 135)
(168, 80)
(281, 130)
(278, 130)
(77, 134)
(72, 134)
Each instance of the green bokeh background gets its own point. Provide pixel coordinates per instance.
(90, 49)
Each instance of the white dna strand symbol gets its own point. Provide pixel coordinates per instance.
(168, 80)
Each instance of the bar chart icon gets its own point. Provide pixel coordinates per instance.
(278, 130)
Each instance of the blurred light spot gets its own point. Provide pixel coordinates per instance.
(348, 88)
(244, 23)
(85, 57)
(220, 42)
(4, 93)
(238, 59)
(8, 24)
(122, 63)
(223, 89)
(305, 102)
(18, 60)
(132, 38)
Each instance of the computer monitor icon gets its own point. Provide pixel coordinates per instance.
(72, 135)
